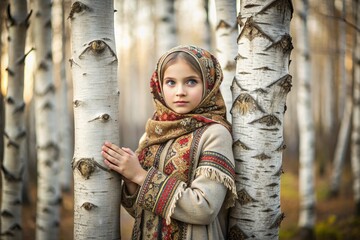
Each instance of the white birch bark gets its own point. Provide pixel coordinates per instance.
(341, 147)
(13, 165)
(226, 46)
(305, 119)
(96, 94)
(166, 36)
(48, 191)
(65, 133)
(355, 135)
(329, 73)
(259, 91)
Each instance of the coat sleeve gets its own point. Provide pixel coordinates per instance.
(213, 185)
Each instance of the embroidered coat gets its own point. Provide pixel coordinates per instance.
(180, 187)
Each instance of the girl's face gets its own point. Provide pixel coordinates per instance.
(182, 87)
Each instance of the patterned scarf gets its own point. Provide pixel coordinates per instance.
(167, 124)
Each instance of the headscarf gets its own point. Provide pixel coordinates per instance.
(167, 124)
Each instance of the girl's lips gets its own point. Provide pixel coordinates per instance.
(180, 102)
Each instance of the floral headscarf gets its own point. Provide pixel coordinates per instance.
(167, 124)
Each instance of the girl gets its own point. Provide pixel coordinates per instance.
(180, 182)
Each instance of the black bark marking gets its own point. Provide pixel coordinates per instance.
(262, 157)
(279, 172)
(98, 47)
(78, 7)
(223, 24)
(244, 104)
(251, 30)
(281, 148)
(11, 177)
(22, 59)
(88, 206)
(285, 44)
(278, 220)
(269, 120)
(50, 89)
(240, 144)
(244, 197)
(236, 233)
(103, 118)
(86, 166)
(280, 4)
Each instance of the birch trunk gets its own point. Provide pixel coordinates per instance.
(165, 26)
(342, 69)
(48, 191)
(306, 124)
(341, 147)
(355, 136)
(13, 165)
(65, 136)
(226, 47)
(96, 95)
(259, 90)
(329, 73)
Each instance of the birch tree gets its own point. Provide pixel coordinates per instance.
(165, 26)
(96, 94)
(355, 135)
(259, 90)
(65, 135)
(13, 165)
(329, 72)
(48, 188)
(306, 125)
(226, 47)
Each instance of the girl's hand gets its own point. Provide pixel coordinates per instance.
(123, 161)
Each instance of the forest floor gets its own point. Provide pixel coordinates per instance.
(334, 217)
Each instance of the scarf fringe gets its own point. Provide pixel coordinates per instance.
(172, 205)
(216, 175)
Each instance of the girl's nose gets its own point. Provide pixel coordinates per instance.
(180, 91)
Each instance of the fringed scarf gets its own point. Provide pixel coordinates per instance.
(167, 124)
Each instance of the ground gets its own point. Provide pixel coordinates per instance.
(335, 217)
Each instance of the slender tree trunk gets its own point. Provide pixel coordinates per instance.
(48, 194)
(65, 137)
(2, 111)
(96, 94)
(207, 33)
(329, 73)
(226, 50)
(341, 147)
(13, 166)
(306, 124)
(166, 36)
(355, 135)
(342, 69)
(260, 87)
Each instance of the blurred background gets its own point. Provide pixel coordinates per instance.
(331, 28)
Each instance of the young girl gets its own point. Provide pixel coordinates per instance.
(180, 182)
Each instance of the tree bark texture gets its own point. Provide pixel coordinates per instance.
(96, 94)
(260, 87)
(226, 46)
(166, 36)
(305, 120)
(13, 165)
(48, 194)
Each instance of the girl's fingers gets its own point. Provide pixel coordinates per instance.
(109, 158)
(110, 165)
(127, 150)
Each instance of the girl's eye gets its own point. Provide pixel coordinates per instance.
(170, 82)
(192, 82)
